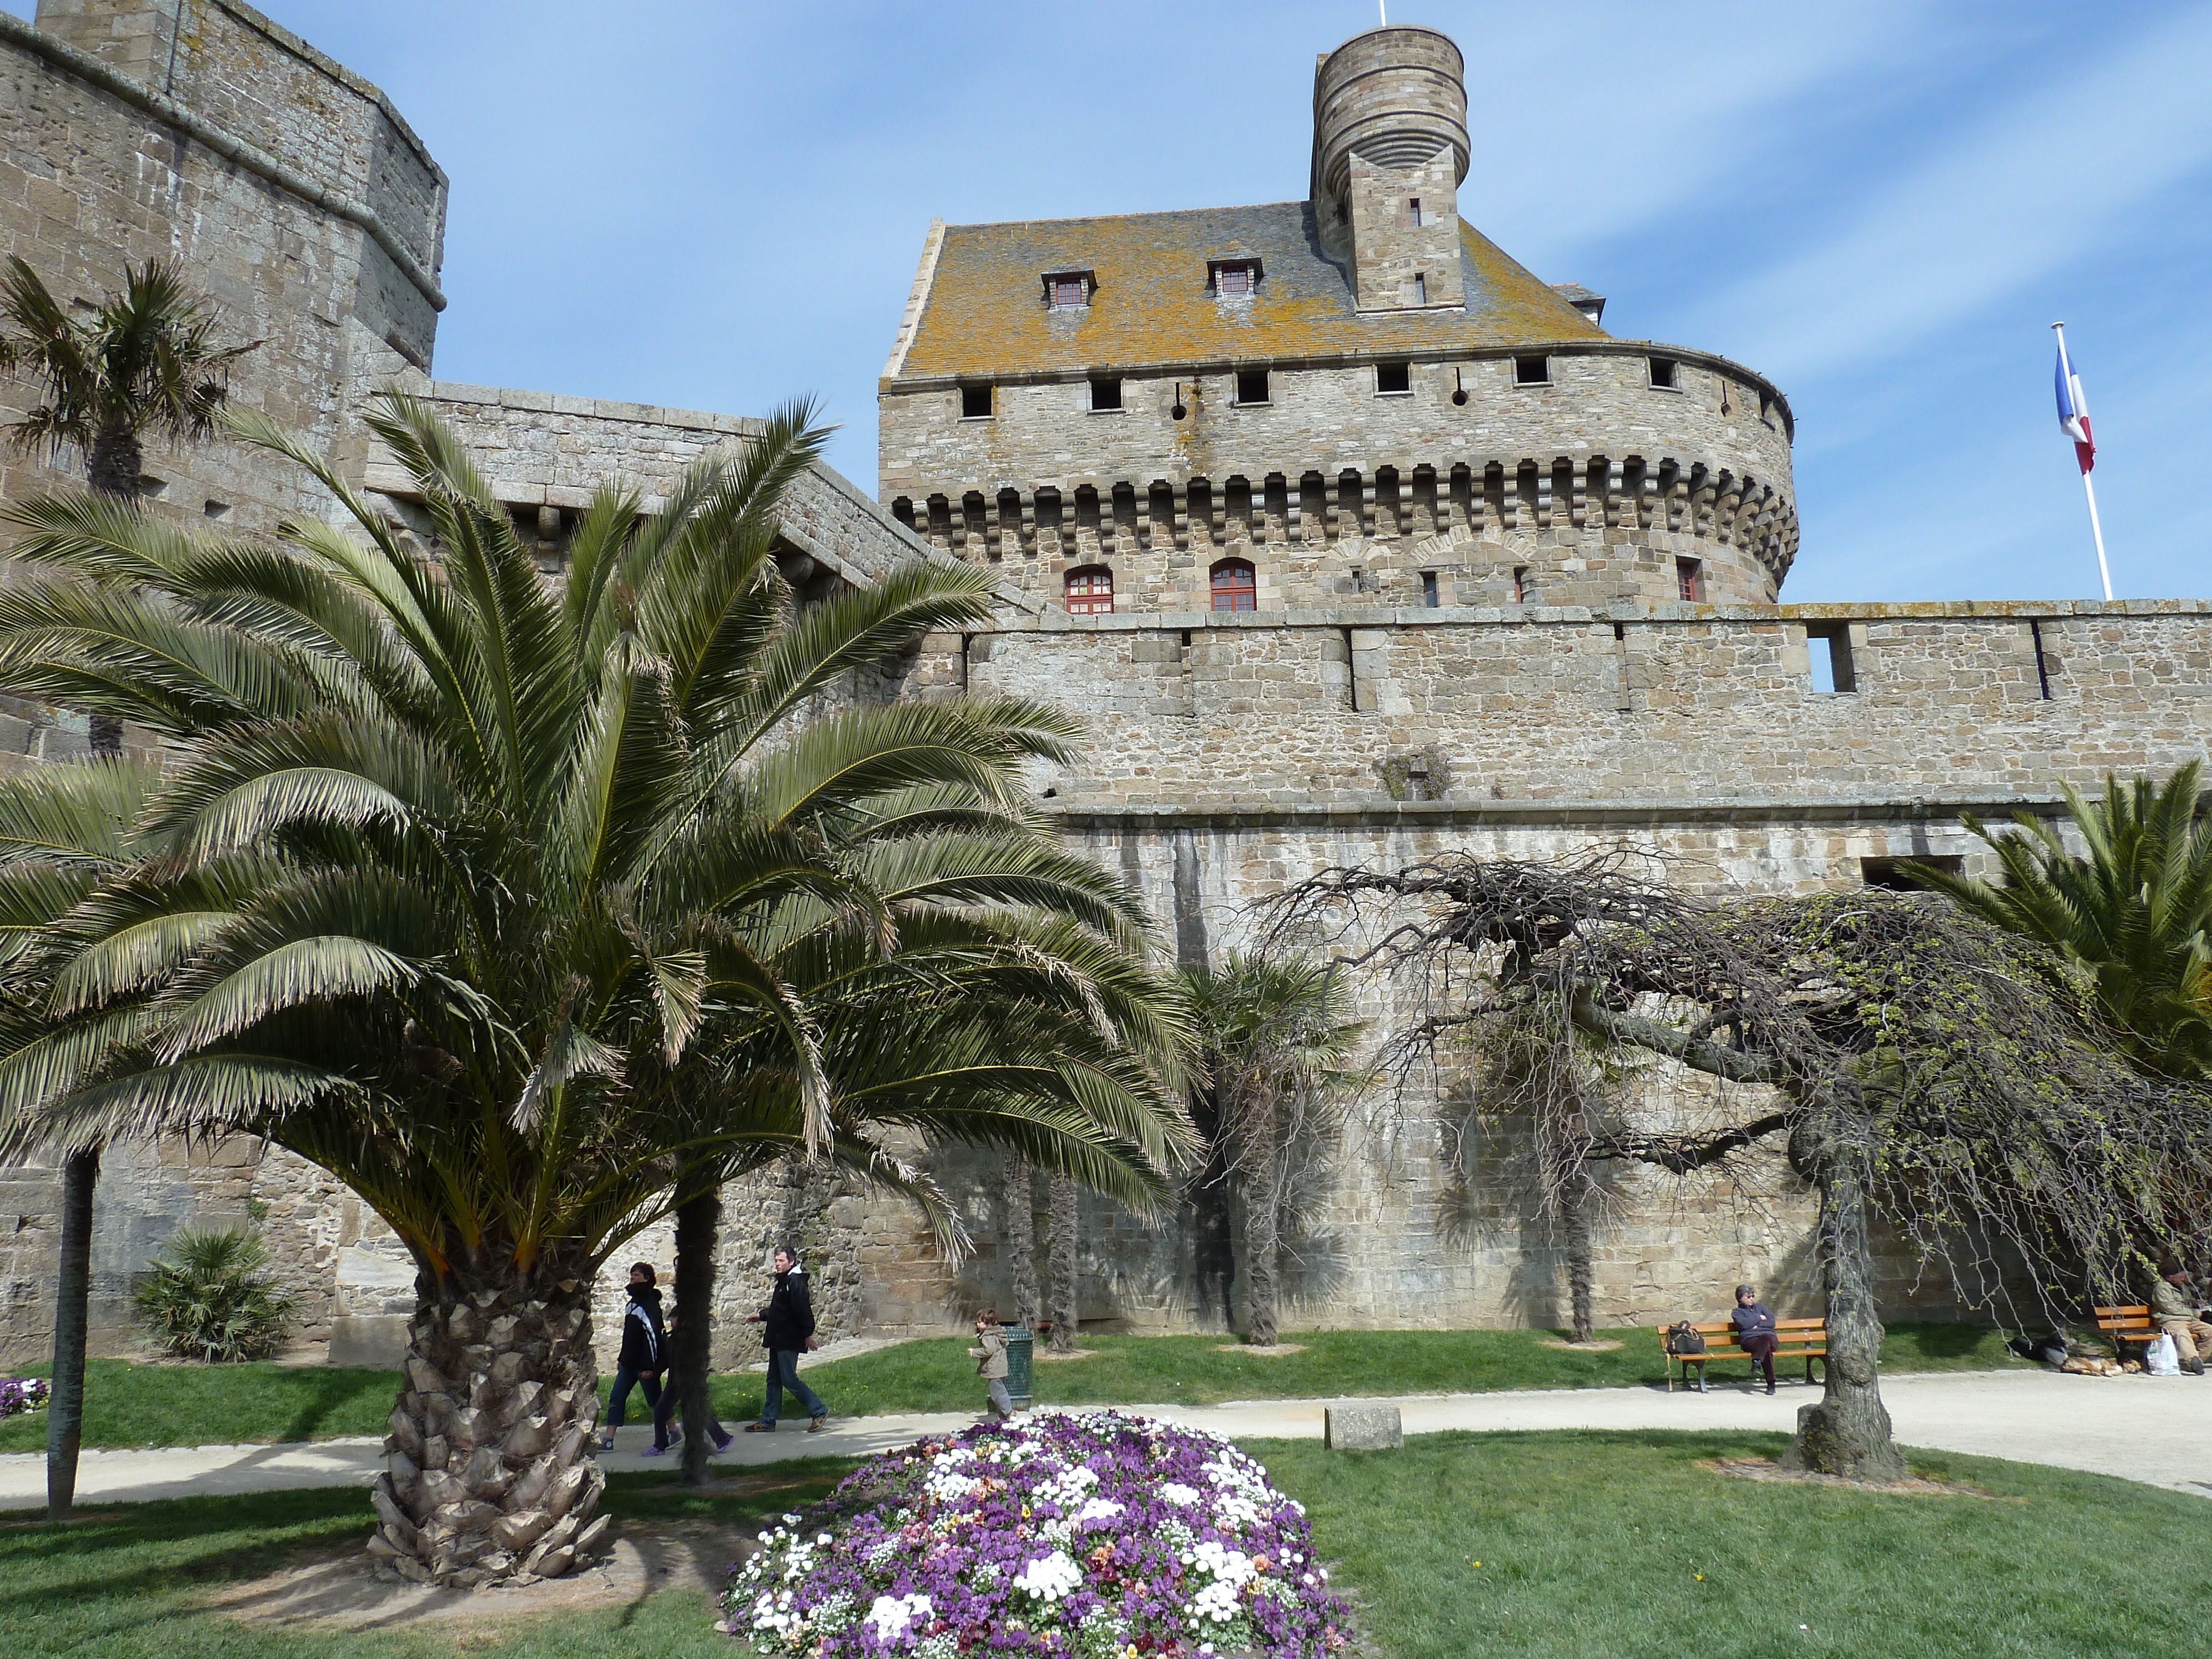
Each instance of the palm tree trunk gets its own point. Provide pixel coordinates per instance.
(1848, 1432)
(72, 1317)
(489, 1473)
(1262, 1224)
(116, 463)
(113, 468)
(1021, 1238)
(698, 1222)
(1576, 1203)
(1064, 1315)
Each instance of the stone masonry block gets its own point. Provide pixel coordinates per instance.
(1363, 1428)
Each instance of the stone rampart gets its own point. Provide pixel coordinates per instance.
(298, 202)
(1585, 486)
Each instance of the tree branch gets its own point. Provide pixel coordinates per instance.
(1696, 1052)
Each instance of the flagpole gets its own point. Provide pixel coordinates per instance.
(2096, 529)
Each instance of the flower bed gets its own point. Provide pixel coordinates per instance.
(1103, 1535)
(22, 1394)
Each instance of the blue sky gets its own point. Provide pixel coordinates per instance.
(1882, 206)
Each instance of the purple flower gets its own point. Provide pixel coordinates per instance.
(1100, 1535)
(22, 1394)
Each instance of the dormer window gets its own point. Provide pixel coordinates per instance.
(1234, 279)
(1069, 290)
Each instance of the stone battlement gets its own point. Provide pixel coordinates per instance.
(1575, 714)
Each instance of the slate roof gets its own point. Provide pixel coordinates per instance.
(985, 315)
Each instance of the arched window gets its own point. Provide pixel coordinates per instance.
(1090, 590)
(1235, 588)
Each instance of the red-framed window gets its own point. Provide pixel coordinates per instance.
(1690, 579)
(1234, 280)
(1090, 590)
(1067, 291)
(1235, 586)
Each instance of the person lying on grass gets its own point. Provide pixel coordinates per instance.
(1754, 1329)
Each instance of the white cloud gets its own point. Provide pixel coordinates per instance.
(2026, 189)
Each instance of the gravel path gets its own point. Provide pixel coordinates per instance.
(2155, 1429)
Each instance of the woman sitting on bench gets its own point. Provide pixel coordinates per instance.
(1754, 1329)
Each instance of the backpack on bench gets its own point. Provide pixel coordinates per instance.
(1685, 1341)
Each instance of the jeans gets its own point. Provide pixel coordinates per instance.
(671, 1401)
(1002, 1401)
(618, 1402)
(783, 1373)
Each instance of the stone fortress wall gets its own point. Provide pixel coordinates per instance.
(1230, 757)
(1549, 697)
(308, 211)
(1585, 487)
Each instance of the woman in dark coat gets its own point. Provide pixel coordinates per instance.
(644, 1353)
(1754, 1329)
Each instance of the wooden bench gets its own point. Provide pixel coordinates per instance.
(1795, 1338)
(2128, 1325)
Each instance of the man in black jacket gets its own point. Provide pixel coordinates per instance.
(789, 1322)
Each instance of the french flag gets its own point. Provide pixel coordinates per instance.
(2074, 410)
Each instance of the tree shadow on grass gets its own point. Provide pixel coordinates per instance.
(332, 1390)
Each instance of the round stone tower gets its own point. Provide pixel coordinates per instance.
(1351, 403)
(1389, 110)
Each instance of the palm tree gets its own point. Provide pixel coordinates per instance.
(533, 911)
(146, 361)
(63, 832)
(2132, 916)
(1276, 1041)
(1064, 1308)
(1019, 1193)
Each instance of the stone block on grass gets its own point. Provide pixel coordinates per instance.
(1363, 1428)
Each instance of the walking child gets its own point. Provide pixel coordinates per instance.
(991, 1361)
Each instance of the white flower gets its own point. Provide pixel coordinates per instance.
(1049, 1577)
(1175, 1492)
(1098, 1508)
(891, 1615)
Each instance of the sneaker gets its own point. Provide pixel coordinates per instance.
(722, 1442)
(1769, 1387)
(607, 1442)
(818, 1424)
(760, 1428)
(654, 1451)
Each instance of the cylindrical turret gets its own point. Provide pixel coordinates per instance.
(1394, 97)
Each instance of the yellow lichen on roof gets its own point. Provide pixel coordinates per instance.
(986, 315)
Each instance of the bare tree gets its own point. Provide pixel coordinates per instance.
(1066, 1316)
(1916, 1064)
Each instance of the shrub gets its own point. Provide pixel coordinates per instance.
(205, 1298)
(22, 1394)
(1099, 1535)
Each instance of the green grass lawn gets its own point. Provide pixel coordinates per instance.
(131, 1405)
(936, 1374)
(1592, 1546)
(125, 1586)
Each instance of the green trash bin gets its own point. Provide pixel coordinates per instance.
(1019, 1343)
